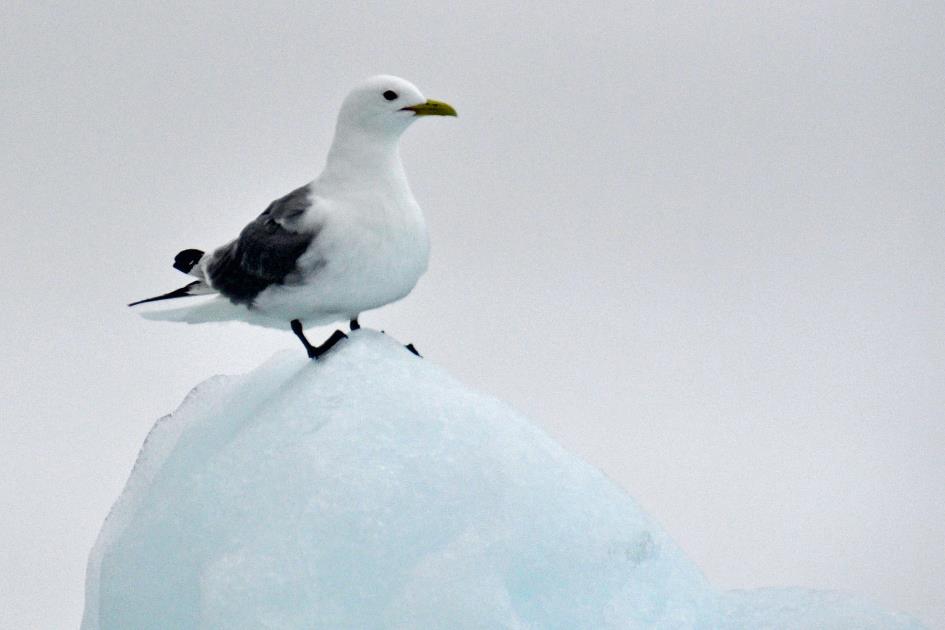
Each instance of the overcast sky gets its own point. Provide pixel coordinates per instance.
(701, 246)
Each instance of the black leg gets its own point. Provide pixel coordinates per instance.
(316, 351)
(410, 347)
(355, 325)
(297, 329)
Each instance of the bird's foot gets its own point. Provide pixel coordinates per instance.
(316, 352)
(356, 326)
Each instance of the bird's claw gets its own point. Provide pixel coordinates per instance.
(315, 352)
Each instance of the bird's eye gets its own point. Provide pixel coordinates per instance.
(390, 95)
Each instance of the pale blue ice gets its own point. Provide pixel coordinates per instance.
(372, 490)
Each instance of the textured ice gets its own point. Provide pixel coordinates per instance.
(371, 490)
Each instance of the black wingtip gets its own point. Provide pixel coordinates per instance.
(130, 304)
(185, 260)
(184, 291)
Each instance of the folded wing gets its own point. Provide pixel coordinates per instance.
(266, 252)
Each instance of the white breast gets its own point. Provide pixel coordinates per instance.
(371, 249)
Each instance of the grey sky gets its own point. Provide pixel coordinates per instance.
(701, 246)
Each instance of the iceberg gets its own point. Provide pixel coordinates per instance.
(370, 489)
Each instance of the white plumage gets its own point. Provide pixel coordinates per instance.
(352, 240)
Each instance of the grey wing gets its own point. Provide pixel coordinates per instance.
(266, 252)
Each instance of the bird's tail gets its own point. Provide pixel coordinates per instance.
(197, 287)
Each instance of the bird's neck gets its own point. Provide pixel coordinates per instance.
(364, 156)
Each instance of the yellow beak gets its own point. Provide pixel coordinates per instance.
(432, 108)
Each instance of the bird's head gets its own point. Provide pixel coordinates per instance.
(386, 105)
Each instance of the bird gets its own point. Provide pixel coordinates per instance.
(351, 240)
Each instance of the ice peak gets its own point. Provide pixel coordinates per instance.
(372, 490)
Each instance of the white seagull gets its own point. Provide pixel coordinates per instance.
(352, 240)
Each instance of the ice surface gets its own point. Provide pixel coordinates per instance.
(371, 490)
(802, 609)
